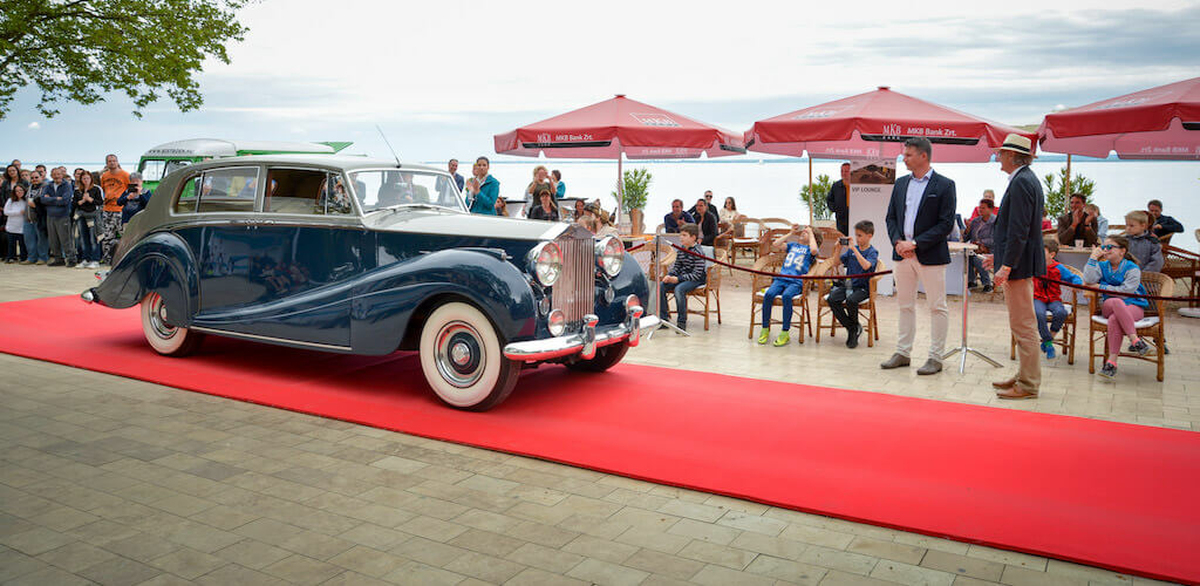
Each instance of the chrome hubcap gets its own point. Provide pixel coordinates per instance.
(158, 319)
(459, 354)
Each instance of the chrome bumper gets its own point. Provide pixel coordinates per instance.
(585, 342)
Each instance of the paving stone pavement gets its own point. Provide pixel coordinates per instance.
(108, 480)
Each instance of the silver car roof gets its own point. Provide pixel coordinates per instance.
(346, 163)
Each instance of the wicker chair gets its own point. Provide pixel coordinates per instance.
(746, 232)
(710, 292)
(866, 310)
(1152, 327)
(1065, 342)
(803, 314)
(1182, 264)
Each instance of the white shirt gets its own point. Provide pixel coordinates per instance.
(912, 201)
(1014, 173)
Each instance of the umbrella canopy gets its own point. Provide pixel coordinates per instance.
(1158, 123)
(619, 125)
(876, 124)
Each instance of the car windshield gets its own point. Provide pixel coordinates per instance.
(380, 189)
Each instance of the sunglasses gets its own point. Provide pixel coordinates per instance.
(1108, 247)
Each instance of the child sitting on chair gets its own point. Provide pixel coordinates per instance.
(846, 294)
(1047, 297)
(1143, 244)
(685, 275)
(797, 262)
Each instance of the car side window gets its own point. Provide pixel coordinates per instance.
(296, 191)
(228, 190)
(335, 199)
(186, 203)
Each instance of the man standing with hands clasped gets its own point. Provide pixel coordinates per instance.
(920, 217)
(1018, 259)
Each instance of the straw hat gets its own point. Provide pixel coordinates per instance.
(1017, 144)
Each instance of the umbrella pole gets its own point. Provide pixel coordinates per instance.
(811, 196)
(1067, 181)
(622, 212)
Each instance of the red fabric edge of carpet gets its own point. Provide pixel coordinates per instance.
(1106, 494)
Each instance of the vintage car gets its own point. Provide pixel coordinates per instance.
(361, 256)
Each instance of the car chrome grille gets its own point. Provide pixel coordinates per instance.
(574, 293)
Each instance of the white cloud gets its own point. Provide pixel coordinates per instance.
(33, 126)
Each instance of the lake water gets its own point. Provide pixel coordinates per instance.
(771, 189)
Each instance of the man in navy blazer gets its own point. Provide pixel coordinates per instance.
(920, 218)
(1018, 258)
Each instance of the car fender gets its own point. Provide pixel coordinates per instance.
(159, 263)
(390, 304)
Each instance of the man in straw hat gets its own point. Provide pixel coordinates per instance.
(1018, 258)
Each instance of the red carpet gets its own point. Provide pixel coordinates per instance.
(1118, 496)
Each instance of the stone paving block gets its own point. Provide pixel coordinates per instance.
(839, 560)
(932, 543)
(656, 540)
(349, 578)
(63, 518)
(542, 534)
(487, 484)
(641, 500)
(1010, 558)
(431, 528)
(903, 573)
(1019, 576)
(188, 563)
(35, 541)
(119, 570)
(252, 554)
(368, 561)
(668, 565)
(721, 576)
(486, 520)
(594, 526)
(704, 531)
(751, 522)
(602, 572)
(692, 510)
(963, 565)
(437, 508)
(486, 542)
(14, 564)
(840, 578)
(268, 530)
(817, 536)
(786, 570)
(545, 558)
(588, 546)
(316, 545)
(298, 569)
(711, 553)
(74, 556)
(638, 517)
(484, 567)
(197, 535)
(536, 577)
(888, 550)
(183, 505)
(374, 536)
(1092, 575)
(774, 546)
(418, 573)
(49, 575)
(428, 552)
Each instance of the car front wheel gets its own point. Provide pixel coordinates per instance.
(462, 358)
(166, 339)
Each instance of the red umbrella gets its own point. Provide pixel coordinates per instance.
(876, 124)
(1158, 123)
(619, 125)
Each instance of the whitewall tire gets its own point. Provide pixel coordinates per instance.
(462, 358)
(166, 339)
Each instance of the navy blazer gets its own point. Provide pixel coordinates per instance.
(935, 219)
(1018, 231)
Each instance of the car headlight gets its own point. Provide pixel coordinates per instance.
(610, 255)
(546, 263)
(557, 323)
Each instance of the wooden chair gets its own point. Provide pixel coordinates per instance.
(1179, 263)
(802, 316)
(746, 233)
(1152, 327)
(866, 310)
(776, 223)
(1066, 341)
(711, 291)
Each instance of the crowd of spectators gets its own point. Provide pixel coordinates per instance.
(63, 219)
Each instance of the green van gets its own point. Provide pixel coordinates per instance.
(165, 158)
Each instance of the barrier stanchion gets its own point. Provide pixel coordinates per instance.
(658, 286)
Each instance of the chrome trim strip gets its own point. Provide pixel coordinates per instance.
(270, 339)
(550, 348)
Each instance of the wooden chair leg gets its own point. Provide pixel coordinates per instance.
(1161, 343)
(1091, 348)
(750, 334)
(717, 294)
(706, 311)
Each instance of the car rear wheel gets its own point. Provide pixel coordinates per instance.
(606, 358)
(166, 339)
(462, 358)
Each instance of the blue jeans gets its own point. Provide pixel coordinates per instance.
(16, 241)
(1058, 313)
(787, 289)
(681, 290)
(36, 243)
(976, 268)
(88, 232)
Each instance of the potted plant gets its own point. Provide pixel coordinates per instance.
(636, 190)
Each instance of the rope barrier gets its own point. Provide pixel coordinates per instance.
(780, 275)
(1117, 293)
(635, 247)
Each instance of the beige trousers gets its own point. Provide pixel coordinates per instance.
(907, 273)
(1018, 296)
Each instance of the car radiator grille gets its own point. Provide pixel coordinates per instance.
(575, 291)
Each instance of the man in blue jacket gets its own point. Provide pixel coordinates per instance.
(57, 200)
(920, 217)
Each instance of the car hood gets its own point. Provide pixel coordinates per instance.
(427, 221)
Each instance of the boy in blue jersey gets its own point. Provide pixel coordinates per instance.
(846, 294)
(800, 256)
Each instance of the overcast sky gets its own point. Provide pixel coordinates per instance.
(442, 78)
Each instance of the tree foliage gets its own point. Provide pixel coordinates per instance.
(79, 50)
(814, 197)
(1057, 198)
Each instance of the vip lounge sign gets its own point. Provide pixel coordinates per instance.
(871, 183)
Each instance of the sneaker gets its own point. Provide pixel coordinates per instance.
(93, 265)
(1141, 348)
(783, 339)
(40, 262)
(1048, 349)
(763, 336)
(57, 263)
(852, 338)
(1109, 370)
(988, 289)
(27, 262)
